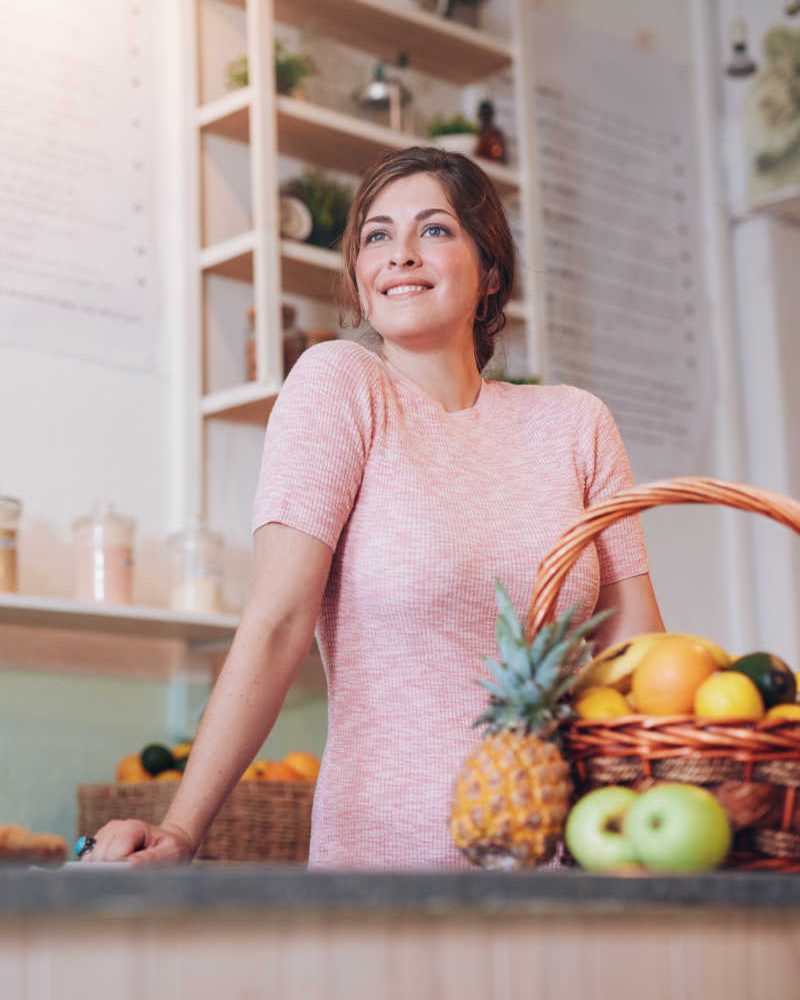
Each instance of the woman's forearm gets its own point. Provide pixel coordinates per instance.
(243, 707)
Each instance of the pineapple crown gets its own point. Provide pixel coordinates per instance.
(531, 679)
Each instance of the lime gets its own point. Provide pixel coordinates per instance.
(774, 679)
(156, 758)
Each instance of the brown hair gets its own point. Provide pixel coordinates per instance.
(479, 211)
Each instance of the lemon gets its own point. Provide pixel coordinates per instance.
(601, 703)
(728, 695)
(784, 712)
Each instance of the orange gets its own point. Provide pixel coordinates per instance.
(791, 711)
(306, 764)
(170, 775)
(130, 769)
(669, 674)
(251, 773)
(279, 772)
(601, 703)
(728, 694)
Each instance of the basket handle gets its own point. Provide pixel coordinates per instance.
(690, 489)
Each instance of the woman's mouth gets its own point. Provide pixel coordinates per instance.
(409, 289)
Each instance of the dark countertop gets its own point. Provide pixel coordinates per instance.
(99, 890)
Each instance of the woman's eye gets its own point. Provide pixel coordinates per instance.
(435, 229)
(374, 236)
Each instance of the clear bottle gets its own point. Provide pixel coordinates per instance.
(104, 556)
(195, 570)
(10, 513)
(491, 143)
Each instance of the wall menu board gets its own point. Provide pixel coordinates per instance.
(77, 275)
(623, 280)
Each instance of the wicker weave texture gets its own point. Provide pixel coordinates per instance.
(260, 820)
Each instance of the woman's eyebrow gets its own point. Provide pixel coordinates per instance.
(424, 214)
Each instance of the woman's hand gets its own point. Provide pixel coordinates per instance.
(141, 843)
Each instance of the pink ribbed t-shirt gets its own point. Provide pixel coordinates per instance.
(424, 510)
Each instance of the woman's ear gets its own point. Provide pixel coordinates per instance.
(492, 281)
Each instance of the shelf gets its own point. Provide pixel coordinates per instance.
(250, 403)
(228, 116)
(128, 619)
(231, 259)
(310, 132)
(784, 205)
(434, 45)
(516, 311)
(309, 270)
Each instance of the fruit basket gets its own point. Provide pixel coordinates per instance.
(752, 767)
(260, 820)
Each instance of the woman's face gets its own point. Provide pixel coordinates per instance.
(417, 270)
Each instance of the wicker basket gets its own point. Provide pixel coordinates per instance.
(752, 767)
(260, 820)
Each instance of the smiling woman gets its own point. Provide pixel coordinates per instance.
(396, 487)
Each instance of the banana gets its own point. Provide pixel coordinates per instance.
(723, 658)
(615, 665)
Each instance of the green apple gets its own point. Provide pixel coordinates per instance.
(676, 827)
(594, 829)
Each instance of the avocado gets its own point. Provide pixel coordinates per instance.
(774, 679)
(156, 758)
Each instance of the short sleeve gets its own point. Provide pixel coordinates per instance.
(620, 548)
(317, 442)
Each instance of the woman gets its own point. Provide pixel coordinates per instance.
(395, 488)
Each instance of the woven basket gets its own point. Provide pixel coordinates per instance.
(260, 820)
(752, 767)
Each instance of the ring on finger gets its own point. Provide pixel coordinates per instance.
(83, 845)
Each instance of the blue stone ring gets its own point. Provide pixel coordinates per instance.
(83, 845)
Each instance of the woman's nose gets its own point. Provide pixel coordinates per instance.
(404, 254)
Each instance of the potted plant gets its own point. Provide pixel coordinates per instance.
(327, 200)
(456, 133)
(290, 70)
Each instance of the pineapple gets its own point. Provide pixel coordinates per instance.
(512, 795)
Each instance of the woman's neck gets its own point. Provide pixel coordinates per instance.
(448, 376)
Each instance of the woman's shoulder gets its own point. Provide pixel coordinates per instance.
(540, 400)
(337, 357)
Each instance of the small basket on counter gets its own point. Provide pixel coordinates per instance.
(260, 820)
(752, 767)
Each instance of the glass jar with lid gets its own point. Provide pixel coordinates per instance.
(104, 556)
(195, 577)
(10, 513)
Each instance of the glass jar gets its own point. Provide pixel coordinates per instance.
(104, 557)
(195, 575)
(10, 513)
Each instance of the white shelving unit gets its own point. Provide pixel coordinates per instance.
(201, 632)
(265, 125)
(785, 205)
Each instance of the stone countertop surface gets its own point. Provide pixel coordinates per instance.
(121, 891)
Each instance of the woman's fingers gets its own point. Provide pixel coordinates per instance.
(117, 840)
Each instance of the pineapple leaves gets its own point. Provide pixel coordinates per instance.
(529, 681)
(508, 624)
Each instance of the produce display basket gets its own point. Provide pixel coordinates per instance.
(752, 767)
(260, 820)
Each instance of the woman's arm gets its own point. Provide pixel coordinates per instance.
(274, 636)
(636, 610)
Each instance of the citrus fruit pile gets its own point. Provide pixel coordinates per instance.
(669, 673)
(158, 762)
